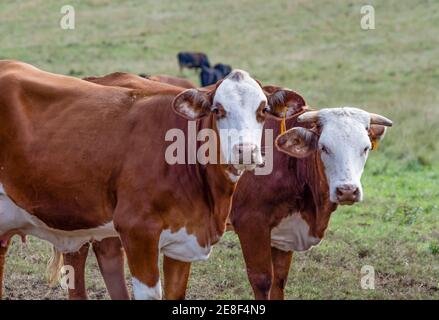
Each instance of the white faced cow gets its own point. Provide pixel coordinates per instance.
(318, 166)
(83, 162)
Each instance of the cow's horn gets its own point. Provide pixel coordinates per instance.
(377, 119)
(310, 116)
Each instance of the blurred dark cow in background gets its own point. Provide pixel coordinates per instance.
(175, 81)
(210, 76)
(225, 69)
(192, 60)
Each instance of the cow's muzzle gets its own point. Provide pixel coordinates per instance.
(347, 194)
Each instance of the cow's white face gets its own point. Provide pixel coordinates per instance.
(344, 146)
(342, 140)
(239, 106)
(239, 99)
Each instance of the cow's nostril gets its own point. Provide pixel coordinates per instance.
(339, 191)
(356, 192)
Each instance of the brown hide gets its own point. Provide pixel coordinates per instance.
(72, 150)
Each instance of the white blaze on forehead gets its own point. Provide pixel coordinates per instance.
(327, 115)
(240, 96)
(344, 135)
(240, 88)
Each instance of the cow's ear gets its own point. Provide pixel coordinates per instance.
(376, 134)
(282, 100)
(297, 142)
(192, 104)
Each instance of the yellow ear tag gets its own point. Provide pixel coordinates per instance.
(375, 144)
(283, 127)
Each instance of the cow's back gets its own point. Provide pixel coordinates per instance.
(175, 81)
(64, 135)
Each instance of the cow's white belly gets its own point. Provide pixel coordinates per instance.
(178, 245)
(182, 246)
(292, 234)
(13, 218)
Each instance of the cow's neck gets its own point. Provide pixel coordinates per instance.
(308, 176)
(324, 207)
(221, 191)
(219, 181)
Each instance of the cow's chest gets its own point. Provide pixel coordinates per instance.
(292, 234)
(182, 246)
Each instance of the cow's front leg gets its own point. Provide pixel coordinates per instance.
(140, 239)
(77, 260)
(256, 248)
(3, 251)
(281, 266)
(111, 260)
(176, 276)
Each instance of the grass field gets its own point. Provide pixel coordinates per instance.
(318, 49)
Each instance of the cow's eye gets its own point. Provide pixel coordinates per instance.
(324, 149)
(266, 109)
(366, 150)
(218, 110)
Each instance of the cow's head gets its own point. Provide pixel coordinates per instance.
(238, 106)
(343, 138)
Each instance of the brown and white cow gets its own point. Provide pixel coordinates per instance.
(109, 252)
(318, 166)
(82, 162)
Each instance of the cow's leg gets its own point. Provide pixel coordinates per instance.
(110, 256)
(143, 256)
(176, 276)
(77, 260)
(256, 248)
(3, 251)
(281, 266)
(140, 234)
